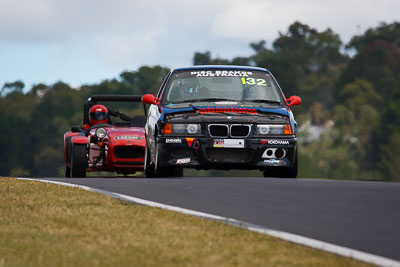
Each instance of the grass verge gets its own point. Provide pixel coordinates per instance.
(50, 225)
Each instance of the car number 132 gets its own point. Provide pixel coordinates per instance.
(252, 81)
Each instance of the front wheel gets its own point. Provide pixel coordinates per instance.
(165, 171)
(284, 172)
(67, 171)
(148, 166)
(78, 160)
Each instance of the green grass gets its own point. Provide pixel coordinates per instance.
(50, 225)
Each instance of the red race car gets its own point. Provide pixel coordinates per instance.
(105, 145)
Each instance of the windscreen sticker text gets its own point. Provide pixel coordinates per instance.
(221, 73)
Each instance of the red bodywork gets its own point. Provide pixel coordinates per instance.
(124, 149)
(119, 145)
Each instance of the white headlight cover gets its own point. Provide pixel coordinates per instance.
(101, 133)
(184, 128)
(270, 129)
(193, 128)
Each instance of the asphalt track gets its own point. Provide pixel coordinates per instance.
(361, 215)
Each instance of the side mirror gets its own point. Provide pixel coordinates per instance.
(150, 99)
(293, 101)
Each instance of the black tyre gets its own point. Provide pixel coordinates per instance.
(293, 171)
(163, 171)
(68, 146)
(148, 165)
(78, 160)
(284, 172)
(67, 171)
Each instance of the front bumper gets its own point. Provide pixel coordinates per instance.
(225, 154)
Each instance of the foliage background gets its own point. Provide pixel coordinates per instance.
(349, 122)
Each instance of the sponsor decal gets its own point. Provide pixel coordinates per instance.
(173, 141)
(228, 143)
(183, 161)
(272, 161)
(127, 138)
(219, 143)
(189, 141)
(278, 142)
(221, 73)
(263, 142)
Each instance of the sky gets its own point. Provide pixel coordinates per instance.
(87, 41)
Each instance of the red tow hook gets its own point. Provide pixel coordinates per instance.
(196, 145)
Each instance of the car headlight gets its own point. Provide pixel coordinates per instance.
(271, 129)
(182, 128)
(101, 133)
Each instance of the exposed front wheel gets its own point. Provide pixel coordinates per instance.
(78, 160)
(68, 147)
(67, 171)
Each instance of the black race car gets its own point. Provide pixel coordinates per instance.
(220, 117)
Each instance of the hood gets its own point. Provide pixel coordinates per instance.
(222, 113)
(119, 131)
(126, 136)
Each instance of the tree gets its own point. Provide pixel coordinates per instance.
(377, 59)
(205, 59)
(202, 58)
(146, 80)
(16, 86)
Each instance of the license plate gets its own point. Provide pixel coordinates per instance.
(229, 143)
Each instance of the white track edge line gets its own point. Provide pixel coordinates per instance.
(309, 242)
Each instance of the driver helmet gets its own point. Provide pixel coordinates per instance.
(98, 114)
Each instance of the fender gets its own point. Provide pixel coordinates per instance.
(80, 140)
(67, 147)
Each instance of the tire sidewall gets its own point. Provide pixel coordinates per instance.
(148, 166)
(78, 160)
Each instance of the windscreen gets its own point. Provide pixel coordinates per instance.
(220, 85)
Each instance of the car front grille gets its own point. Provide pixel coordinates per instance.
(218, 130)
(224, 130)
(228, 154)
(128, 152)
(240, 130)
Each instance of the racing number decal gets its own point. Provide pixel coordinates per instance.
(252, 81)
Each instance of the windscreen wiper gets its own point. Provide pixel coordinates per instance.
(206, 99)
(182, 101)
(263, 101)
(218, 99)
